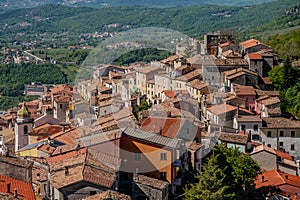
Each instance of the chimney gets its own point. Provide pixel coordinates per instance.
(8, 188)
(63, 128)
(60, 151)
(15, 193)
(262, 179)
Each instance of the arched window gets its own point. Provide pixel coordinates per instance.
(25, 129)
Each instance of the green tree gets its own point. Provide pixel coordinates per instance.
(212, 183)
(228, 174)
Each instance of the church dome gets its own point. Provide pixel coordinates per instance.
(23, 113)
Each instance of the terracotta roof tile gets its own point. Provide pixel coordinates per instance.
(250, 43)
(147, 69)
(168, 127)
(171, 59)
(270, 101)
(280, 122)
(67, 137)
(221, 109)
(172, 93)
(254, 56)
(241, 90)
(46, 129)
(285, 184)
(249, 118)
(233, 138)
(16, 161)
(224, 44)
(267, 93)
(197, 84)
(24, 189)
(240, 71)
(84, 166)
(152, 182)
(190, 76)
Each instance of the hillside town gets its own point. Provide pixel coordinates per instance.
(136, 132)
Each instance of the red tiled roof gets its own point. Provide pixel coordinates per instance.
(250, 43)
(241, 90)
(46, 129)
(254, 56)
(61, 88)
(233, 138)
(172, 93)
(273, 151)
(84, 166)
(67, 137)
(224, 44)
(171, 58)
(190, 76)
(221, 109)
(285, 184)
(168, 127)
(197, 84)
(24, 189)
(283, 155)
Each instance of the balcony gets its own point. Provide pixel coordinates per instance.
(177, 163)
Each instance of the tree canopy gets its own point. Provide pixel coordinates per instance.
(286, 80)
(228, 174)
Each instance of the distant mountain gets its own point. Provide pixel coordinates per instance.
(191, 20)
(287, 21)
(17, 4)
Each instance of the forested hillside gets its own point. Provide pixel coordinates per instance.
(12, 5)
(194, 21)
(287, 78)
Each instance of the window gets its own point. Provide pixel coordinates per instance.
(292, 133)
(280, 144)
(269, 145)
(137, 156)
(148, 92)
(255, 137)
(163, 156)
(281, 133)
(93, 193)
(255, 127)
(292, 147)
(25, 129)
(163, 175)
(269, 134)
(246, 99)
(60, 106)
(243, 127)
